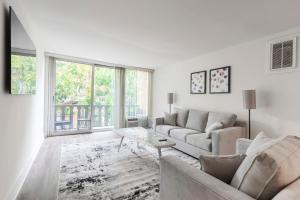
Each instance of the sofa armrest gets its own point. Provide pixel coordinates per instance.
(181, 181)
(242, 145)
(224, 140)
(158, 121)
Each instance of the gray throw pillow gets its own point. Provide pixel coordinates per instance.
(170, 119)
(182, 116)
(221, 167)
(197, 120)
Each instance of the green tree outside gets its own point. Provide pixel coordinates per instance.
(23, 74)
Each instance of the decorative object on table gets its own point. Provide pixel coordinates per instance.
(219, 80)
(198, 82)
(249, 103)
(170, 100)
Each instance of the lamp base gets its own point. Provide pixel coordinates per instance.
(249, 125)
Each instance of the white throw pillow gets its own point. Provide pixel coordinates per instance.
(258, 141)
(212, 127)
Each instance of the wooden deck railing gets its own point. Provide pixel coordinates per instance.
(78, 117)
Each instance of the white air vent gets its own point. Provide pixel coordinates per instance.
(283, 54)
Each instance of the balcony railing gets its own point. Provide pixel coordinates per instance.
(72, 117)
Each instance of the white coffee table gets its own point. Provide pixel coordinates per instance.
(142, 135)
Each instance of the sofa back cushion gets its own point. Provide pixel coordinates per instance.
(264, 173)
(170, 119)
(182, 116)
(197, 120)
(227, 119)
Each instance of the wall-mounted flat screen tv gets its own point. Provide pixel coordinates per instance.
(22, 59)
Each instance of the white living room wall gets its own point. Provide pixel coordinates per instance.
(21, 117)
(278, 94)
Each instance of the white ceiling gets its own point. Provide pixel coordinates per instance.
(155, 33)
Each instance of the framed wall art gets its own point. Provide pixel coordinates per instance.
(219, 80)
(198, 82)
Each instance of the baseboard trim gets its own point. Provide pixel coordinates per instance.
(19, 181)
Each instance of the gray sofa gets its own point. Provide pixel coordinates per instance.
(181, 181)
(189, 132)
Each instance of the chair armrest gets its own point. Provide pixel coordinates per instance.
(242, 145)
(224, 140)
(181, 181)
(158, 121)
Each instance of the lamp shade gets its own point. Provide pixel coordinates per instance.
(170, 98)
(249, 99)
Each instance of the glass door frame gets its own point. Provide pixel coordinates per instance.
(52, 77)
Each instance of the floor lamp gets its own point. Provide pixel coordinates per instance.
(170, 99)
(249, 103)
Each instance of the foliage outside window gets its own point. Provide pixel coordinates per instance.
(73, 83)
(23, 74)
(73, 94)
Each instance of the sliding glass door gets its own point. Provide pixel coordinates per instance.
(73, 99)
(90, 97)
(84, 96)
(103, 98)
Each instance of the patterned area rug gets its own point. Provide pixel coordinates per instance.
(95, 171)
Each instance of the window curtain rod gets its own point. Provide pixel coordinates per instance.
(94, 62)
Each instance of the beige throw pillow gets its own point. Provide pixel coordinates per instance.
(221, 167)
(263, 174)
(213, 127)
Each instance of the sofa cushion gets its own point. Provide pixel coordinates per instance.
(290, 192)
(221, 167)
(170, 119)
(182, 116)
(263, 174)
(197, 120)
(227, 119)
(165, 129)
(182, 133)
(199, 140)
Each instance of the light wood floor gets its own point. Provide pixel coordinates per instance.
(42, 180)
